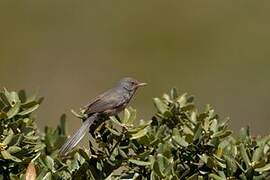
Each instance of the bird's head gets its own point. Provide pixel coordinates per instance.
(130, 84)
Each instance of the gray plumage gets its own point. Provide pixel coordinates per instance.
(110, 103)
(78, 135)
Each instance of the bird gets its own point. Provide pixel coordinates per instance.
(109, 103)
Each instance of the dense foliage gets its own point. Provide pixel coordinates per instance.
(179, 142)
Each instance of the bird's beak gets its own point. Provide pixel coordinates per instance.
(141, 84)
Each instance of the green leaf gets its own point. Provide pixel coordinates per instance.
(221, 134)
(50, 163)
(174, 93)
(244, 155)
(258, 154)
(7, 155)
(216, 177)
(157, 170)
(193, 117)
(29, 110)
(180, 141)
(264, 168)
(3, 99)
(139, 163)
(139, 134)
(164, 163)
(13, 110)
(204, 158)
(160, 105)
(113, 119)
(12, 97)
(182, 100)
(78, 115)
(244, 134)
(231, 165)
(14, 149)
(193, 177)
(198, 132)
(8, 139)
(133, 114)
(141, 126)
(22, 95)
(122, 153)
(126, 117)
(28, 104)
(115, 132)
(62, 125)
(16, 140)
(48, 176)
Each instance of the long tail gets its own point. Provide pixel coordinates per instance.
(78, 135)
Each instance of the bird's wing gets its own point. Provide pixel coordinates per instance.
(108, 100)
(92, 101)
(96, 99)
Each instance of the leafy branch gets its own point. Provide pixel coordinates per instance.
(179, 142)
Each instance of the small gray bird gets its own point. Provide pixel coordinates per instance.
(109, 103)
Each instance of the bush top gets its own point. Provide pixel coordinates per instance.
(179, 142)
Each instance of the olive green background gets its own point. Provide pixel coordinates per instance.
(71, 50)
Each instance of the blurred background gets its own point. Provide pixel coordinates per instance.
(69, 51)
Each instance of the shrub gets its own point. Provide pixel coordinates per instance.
(179, 142)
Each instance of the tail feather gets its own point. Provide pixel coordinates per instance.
(78, 135)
